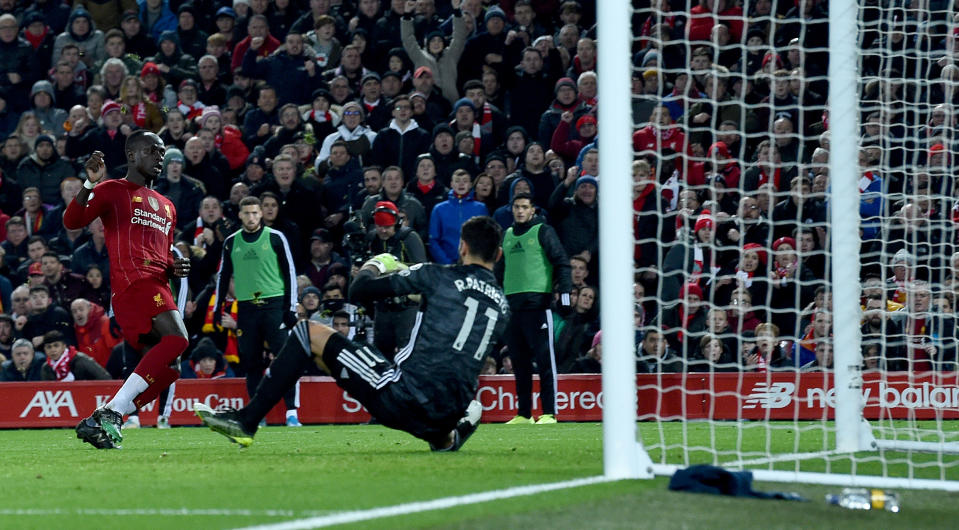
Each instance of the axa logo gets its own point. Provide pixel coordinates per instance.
(49, 403)
(766, 396)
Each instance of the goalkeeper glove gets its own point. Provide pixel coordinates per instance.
(385, 263)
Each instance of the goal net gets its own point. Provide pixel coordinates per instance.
(793, 207)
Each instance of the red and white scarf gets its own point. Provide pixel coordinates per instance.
(866, 181)
(197, 239)
(191, 111)
(486, 119)
(61, 367)
(477, 134)
(139, 112)
(317, 116)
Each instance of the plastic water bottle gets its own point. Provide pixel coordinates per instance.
(865, 499)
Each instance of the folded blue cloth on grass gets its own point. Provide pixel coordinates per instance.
(719, 481)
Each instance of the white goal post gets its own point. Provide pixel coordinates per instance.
(625, 457)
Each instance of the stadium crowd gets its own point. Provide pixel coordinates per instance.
(374, 126)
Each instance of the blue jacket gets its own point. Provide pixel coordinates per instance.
(445, 222)
(167, 20)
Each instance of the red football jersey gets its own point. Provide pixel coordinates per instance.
(138, 224)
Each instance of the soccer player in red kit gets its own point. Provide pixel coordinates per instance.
(139, 225)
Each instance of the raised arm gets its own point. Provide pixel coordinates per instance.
(80, 212)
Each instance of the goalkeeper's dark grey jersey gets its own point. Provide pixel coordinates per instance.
(463, 314)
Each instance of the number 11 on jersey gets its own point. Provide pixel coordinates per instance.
(472, 305)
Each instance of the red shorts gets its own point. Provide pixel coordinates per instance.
(135, 308)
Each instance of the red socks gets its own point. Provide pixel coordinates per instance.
(155, 369)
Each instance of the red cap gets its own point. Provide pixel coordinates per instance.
(690, 288)
(584, 120)
(35, 269)
(720, 149)
(149, 68)
(109, 106)
(772, 56)
(385, 214)
(422, 70)
(758, 249)
(935, 148)
(704, 220)
(787, 240)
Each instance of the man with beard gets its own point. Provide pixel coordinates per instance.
(139, 225)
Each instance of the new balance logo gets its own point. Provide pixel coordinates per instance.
(774, 396)
(49, 403)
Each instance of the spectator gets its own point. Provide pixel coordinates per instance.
(200, 163)
(879, 328)
(566, 101)
(441, 59)
(768, 353)
(377, 107)
(44, 317)
(576, 218)
(184, 192)
(358, 137)
(93, 252)
(138, 110)
(44, 170)
(491, 119)
(448, 216)
(137, 38)
(928, 338)
(206, 362)
(655, 356)
(108, 138)
(64, 285)
(291, 72)
(82, 32)
(262, 121)
(92, 328)
(37, 217)
(530, 88)
(175, 65)
(43, 102)
(191, 38)
(401, 142)
(223, 140)
(740, 315)
(64, 363)
(712, 355)
(25, 363)
(403, 201)
(156, 16)
(322, 257)
(572, 334)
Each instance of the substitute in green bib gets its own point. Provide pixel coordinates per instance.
(533, 268)
(259, 261)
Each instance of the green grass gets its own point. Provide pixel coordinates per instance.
(318, 470)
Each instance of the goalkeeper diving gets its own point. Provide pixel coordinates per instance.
(429, 389)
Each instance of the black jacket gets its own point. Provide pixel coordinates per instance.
(392, 147)
(576, 223)
(9, 372)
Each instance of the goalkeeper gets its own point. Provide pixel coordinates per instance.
(429, 390)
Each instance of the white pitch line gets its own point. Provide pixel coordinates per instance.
(423, 506)
(218, 512)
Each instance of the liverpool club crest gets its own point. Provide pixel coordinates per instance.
(154, 203)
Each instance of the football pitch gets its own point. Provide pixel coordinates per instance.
(192, 478)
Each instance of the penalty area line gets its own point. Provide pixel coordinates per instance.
(425, 506)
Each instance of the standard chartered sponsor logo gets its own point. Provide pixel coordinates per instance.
(151, 219)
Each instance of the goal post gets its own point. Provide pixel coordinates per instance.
(792, 423)
(622, 455)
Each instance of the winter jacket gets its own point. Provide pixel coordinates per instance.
(551, 119)
(576, 223)
(187, 201)
(166, 21)
(444, 68)
(395, 146)
(358, 142)
(47, 177)
(51, 118)
(9, 372)
(430, 198)
(94, 338)
(286, 73)
(83, 367)
(445, 223)
(91, 45)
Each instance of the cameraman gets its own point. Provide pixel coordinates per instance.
(394, 317)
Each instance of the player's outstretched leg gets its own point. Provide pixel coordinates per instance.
(226, 422)
(240, 425)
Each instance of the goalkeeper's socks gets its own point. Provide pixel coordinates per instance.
(279, 378)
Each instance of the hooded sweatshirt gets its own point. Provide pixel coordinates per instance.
(91, 44)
